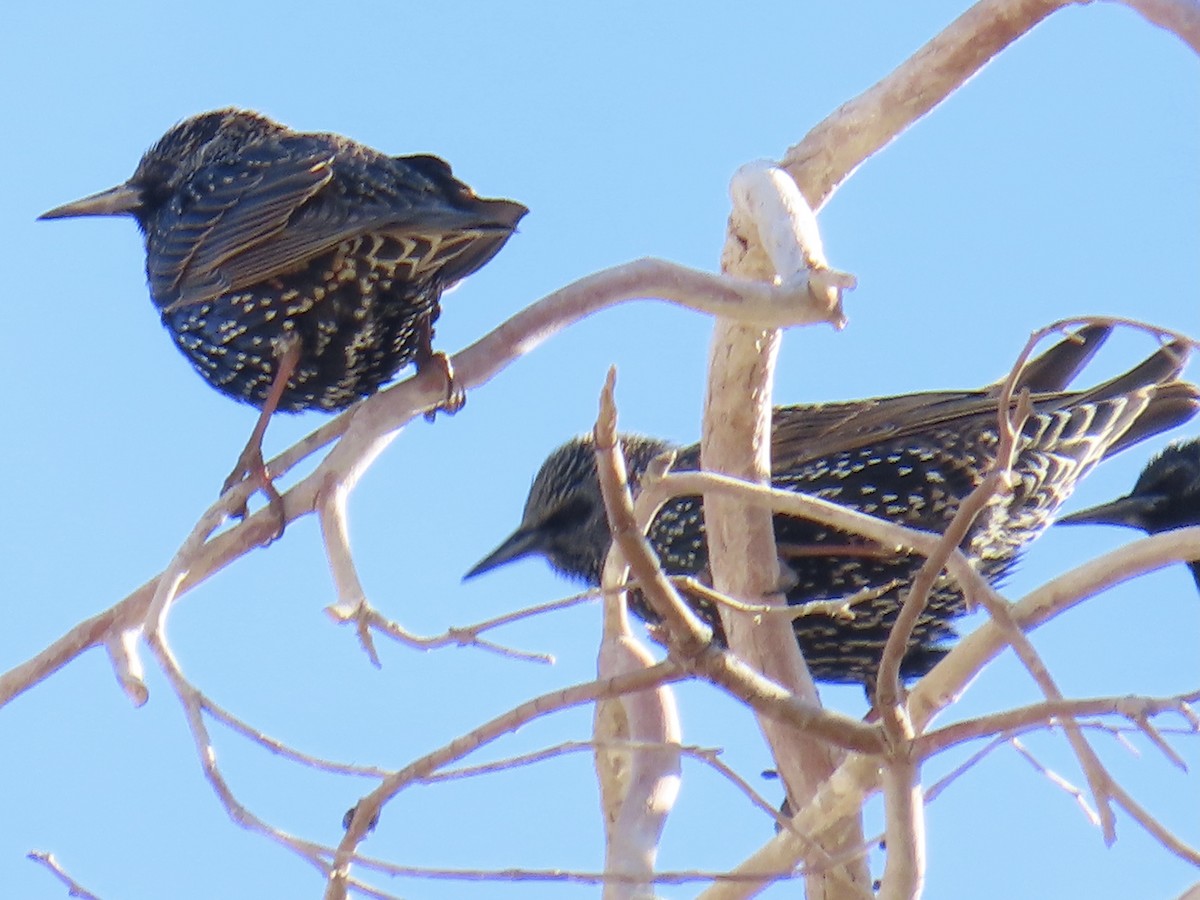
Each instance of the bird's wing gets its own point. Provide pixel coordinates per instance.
(1147, 399)
(803, 433)
(210, 246)
(250, 219)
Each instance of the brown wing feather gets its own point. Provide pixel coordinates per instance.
(238, 208)
(241, 246)
(803, 433)
(251, 218)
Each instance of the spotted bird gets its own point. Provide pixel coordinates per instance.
(299, 271)
(909, 459)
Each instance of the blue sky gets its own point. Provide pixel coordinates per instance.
(1061, 181)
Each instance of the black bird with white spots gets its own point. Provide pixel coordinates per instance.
(909, 459)
(299, 271)
(258, 236)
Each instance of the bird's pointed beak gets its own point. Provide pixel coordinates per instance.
(122, 199)
(521, 543)
(1128, 511)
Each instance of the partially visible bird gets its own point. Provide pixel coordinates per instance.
(1166, 496)
(909, 459)
(299, 271)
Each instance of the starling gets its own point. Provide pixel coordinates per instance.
(1166, 496)
(909, 459)
(299, 271)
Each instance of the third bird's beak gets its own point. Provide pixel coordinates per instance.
(124, 198)
(522, 542)
(1127, 511)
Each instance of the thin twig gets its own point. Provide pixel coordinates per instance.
(1055, 779)
(965, 766)
(366, 617)
(1047, 713)
(335, 531)
(74, 888)
(279, 748)
(709, 756)
(369, 806)
(1156, 829)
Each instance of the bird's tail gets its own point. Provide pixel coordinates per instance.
(1068, 434)
(1171, 404)
(1058, 366)
(1157, 399)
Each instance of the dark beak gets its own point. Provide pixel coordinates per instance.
(122, 199)
(1128, 511)
(521, 543)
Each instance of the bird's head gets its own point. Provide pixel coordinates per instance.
(1166, 495)
(1170, 483)
(564, 518)
(206, 138)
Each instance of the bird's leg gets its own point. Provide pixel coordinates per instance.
(250, 463)
(456, 397)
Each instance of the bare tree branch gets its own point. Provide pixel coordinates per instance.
(831, 152)
(774, 248)
(709, 756)
(366, 618)
(1180, 17)
(1135, 709)
(74, 888)
(365, 426)
(368, 808)
(639, 786)
(858, 777)
(778, 232)
(904, 807)
(1056, 779)
(689, 640)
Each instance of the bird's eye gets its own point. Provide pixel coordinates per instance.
(570, 515)
(155, 187)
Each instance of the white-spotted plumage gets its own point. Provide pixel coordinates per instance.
(912, 460)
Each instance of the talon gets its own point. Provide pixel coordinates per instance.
(456, 397)
(235, 478)
(251, 465)
(274, 503)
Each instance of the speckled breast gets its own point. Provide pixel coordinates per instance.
(357, 320)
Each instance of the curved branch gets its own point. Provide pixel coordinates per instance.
(366, 427)
(857, 130)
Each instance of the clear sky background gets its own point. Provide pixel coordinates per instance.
(1063, 180)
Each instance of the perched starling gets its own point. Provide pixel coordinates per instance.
(909, 459)
(299, 271)
(1166, 496)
